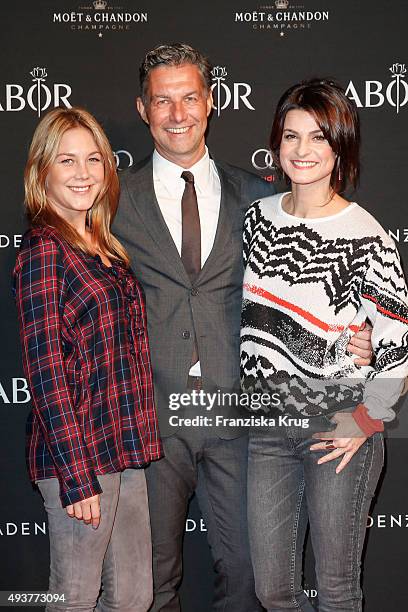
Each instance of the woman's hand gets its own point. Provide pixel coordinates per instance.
(345, 440)
(88, 510)
(360, 345)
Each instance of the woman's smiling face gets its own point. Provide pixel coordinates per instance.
(305, 155)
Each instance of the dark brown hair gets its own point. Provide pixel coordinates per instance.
(335, 115)
(174, 54)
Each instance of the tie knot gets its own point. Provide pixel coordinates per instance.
(188, 176)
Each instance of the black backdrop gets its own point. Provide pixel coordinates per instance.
(88, 54)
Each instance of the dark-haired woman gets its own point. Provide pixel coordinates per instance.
(86, 357)
(317, 266)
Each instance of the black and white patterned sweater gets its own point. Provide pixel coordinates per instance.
(310, 284)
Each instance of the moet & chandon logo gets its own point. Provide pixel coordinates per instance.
(376, 94)
(39, 96)
(280, 17)
(223, 95)
(99, 17)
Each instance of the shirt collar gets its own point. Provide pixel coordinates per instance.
(169, 174)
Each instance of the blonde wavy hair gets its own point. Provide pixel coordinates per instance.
(42, 153)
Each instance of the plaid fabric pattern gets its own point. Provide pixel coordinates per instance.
(86, 358)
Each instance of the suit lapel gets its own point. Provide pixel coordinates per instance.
(141, 189)
(230, 194)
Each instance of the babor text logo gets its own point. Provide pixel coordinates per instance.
(375, 93)
(14, 392)
(38, 96)
(223, 94)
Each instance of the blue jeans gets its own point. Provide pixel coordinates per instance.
(286, 489)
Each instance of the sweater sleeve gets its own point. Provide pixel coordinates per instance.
(384, 298)
(250, 223)
(38, 292)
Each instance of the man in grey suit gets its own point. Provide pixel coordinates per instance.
(193, 318)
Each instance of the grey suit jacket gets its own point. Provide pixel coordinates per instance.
(176, 310)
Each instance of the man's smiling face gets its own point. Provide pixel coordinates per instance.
(176, 109)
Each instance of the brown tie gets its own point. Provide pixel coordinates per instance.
(191, 234)
(191, 237)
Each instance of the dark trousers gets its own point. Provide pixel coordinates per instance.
(199, 461)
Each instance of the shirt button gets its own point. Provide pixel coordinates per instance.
(194, 291)
(186, 334)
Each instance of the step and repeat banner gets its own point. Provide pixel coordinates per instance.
(73, 52)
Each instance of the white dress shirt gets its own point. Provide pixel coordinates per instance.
(169, 189)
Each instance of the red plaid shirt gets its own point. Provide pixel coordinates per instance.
(86, 358)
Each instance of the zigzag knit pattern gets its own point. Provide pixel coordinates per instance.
(309, 285)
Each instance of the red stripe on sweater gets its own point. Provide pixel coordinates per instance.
(300, 311)
(393, 315)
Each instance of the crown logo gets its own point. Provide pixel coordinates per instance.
(398, 69)
(219, 72)
(99, 5)
(39, 73)
(281, 4)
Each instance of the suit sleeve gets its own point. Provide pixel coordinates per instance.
(124, 220)
(260, 188)
(385, 299)
(39, 294)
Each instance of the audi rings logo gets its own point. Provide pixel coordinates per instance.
(262, 160)
(123, 159)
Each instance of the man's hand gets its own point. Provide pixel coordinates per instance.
(360, 345)
(345, 440)
(88, 510)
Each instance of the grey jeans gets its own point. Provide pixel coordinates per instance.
(117, 554)
(286, 489)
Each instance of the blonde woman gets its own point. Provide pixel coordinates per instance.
(82, 320)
